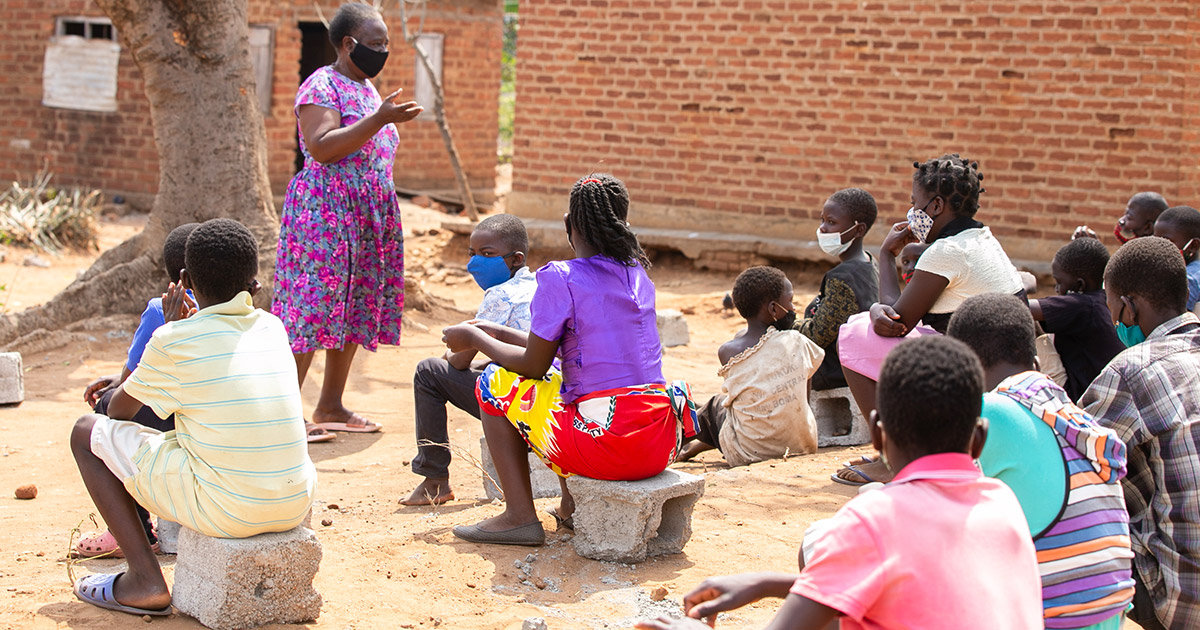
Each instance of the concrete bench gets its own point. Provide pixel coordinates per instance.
(628, 521)
(543, 480)
(233, 583)
(839, 422)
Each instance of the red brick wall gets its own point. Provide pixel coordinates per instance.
(744, 115)
(116, 152)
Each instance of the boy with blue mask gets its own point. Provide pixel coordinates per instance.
(1150, 396)
(850, 287)
(499, 245)
(1181, 225)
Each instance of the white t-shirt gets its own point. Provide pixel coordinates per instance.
(974, 263)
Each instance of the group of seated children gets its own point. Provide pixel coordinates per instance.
(236, 463)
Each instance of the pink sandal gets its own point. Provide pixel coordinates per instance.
(103, 544)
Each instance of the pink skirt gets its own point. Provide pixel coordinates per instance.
(863, 351)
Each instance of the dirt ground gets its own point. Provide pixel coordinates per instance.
(385, 565)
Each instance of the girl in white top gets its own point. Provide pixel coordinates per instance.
(963, 260)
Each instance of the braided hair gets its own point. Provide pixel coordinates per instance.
(598, 209)
(954, 179)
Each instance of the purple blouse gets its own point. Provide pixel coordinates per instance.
(603, 313)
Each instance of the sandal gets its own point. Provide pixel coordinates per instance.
(561, 522)
(366, 426)
(314, 437)
(103, 545)
(850, 482)
(97, 590)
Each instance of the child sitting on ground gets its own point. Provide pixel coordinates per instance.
(941, 546)
(99, 392)
(499, 245)
(850, 287)
(238, 464)
(764, 411)
(1077, 315)
(908, 259)
(1035, 433)
(608, 413)
(1181, 225)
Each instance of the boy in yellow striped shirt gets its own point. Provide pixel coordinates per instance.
(237, 463)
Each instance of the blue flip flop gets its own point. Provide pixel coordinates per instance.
(854, 469)
(97, 590)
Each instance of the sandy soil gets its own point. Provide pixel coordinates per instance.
(388, 566)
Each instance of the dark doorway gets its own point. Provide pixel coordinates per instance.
(315, 51)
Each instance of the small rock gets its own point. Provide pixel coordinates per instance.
(534, 623)
(527, 569)
(530, 558)
(540, 583)
(268, 583)
(658, 594)
(33, 260)
(470, 585)
(146, 618)
(419, 232)
(517, 563)
(327, 522)
(421, 200)
(688, 310)
(332, 506)
(27, 491)
(434, 231)
(566, 538)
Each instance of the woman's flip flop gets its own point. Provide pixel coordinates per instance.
(366, 427)
(854, 469)
(97, 590)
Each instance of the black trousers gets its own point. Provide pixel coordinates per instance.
(1143, 606)
(436, 383)
(144, 417)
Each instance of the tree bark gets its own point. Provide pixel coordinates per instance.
(195, 62)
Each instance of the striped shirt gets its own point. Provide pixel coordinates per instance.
(237, 463)
(1150, 395)
(1083, 555)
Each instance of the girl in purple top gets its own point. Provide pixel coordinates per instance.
(607, 413)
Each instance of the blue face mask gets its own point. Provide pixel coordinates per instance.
(489, 271)
(1130, 335)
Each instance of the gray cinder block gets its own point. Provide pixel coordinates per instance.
(12, 378)
(672, 328)
(168, 535)
(233, 583)
(544, 481)
(628, 521)
(839, 422)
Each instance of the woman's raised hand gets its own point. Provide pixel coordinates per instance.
(393, 111)
(897, 238)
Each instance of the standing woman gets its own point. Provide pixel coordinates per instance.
(339, 276)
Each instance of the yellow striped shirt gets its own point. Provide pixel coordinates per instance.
(237, 462)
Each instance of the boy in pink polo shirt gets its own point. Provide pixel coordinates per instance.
(940, 547)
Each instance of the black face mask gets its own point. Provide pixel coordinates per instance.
(786, 322)
(368, 60)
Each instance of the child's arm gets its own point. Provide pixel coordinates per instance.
(1035, 309)
(796, 613)
(122, 406)
(96, 388)
(531, 361)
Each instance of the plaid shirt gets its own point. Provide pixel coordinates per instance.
(1150, 395)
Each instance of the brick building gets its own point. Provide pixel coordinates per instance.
(76, 104)
(742, 116)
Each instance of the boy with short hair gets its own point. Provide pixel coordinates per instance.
(238, 463)
(1035, 435)
(941, 546)
(498, 251)
(1150, 395)
(1077, 315)
(850, 287)
(1181, 225)
(764, 411)
(1141, 212)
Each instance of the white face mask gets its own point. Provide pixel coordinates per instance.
(919, 223)
(831, 242)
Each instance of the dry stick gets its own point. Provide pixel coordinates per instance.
(467, 455)
(73, 560)
(439, 108)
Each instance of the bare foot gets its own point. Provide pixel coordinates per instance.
(861, 461)
(430, 492)
(874, 471)
(693, 449)
(149, 594)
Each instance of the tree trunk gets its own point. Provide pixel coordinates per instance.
(195, 62)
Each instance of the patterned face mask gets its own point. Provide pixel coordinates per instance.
(920, 223)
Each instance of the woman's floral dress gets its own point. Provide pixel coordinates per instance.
(339, 275)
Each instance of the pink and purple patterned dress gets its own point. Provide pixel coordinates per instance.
(339, 275)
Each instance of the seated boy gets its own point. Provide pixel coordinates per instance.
(764, 411)
(1181, 225)
(499, 247)
(237, 464)
(99, 392)
(1064, 468)
(1141, 212)
(850, 287)
(1077, 315)
(1150, 395)
(941, 546)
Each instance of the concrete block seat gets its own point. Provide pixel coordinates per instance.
(628, 521)
(233, 583)
(839, 421)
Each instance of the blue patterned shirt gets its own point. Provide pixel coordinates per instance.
(507, 303)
